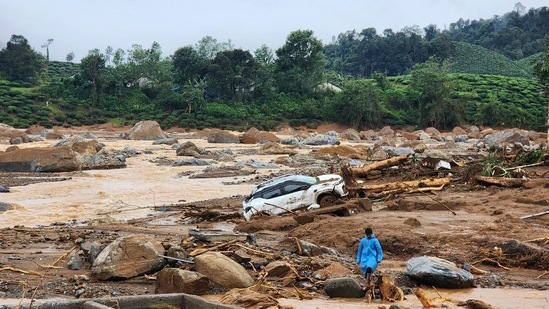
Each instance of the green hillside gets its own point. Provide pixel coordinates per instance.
(474, 59)
(58, 69)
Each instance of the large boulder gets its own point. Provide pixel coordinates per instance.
(80, 145)
(254, 136)
(35, 130)
(439, 273)
(175, 280)
(7, 132)
(505, 137)
(222, 270)
(129, 256)
(43, 159)
(351, 135)
(322, 139)
(188, 149)
(223, 137)
(145, 130)
(343, 287)
(101, 161)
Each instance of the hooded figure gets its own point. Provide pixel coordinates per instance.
(369, 254)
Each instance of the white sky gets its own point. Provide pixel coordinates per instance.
(81, 25)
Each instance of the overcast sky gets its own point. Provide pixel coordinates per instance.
(81, 25)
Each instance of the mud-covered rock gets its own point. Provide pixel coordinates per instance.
(222, 270)
(175, 280)
(42, 159)
(223, 137)
(144, 130)
(129, 256)
(254, 136)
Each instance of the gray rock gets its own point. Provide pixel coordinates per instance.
(188, 149)
(291, 141)
(397, 151)
(4, 189)
(75, 262)
(439, 273)
(91, 250)
(255, 164)
(166, 141)
(320, 140)
(343, 287)
(101, 161)
(190, 161)
(508, 136)
(311, 249)
(5, 206)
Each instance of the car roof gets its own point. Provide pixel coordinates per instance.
(283, 178)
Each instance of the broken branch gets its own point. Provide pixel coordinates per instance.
(28, 272)
(544, 273)
(491, 262)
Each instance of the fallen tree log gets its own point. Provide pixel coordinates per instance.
(402, 185)
(346, 209)
(501, 181)
(363, 171)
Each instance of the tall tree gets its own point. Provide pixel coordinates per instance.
(264, 81)
(147, 66)
(358, 104)
(47, 47)
(300, 64)
(232, 72)
(208, 47)
(432, 87)
(188, 66)
(92, 69)
(18, 61)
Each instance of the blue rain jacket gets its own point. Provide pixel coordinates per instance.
(369, 253)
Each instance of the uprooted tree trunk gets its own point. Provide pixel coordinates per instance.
(501, 181)
(402, 185)
(363, 171)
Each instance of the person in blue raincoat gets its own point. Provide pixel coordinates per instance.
(369, 254)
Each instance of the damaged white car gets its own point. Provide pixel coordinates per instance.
(290, 192)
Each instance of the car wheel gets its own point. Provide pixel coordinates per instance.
(327, 200)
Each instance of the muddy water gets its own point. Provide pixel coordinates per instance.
(497, 298)
(120, 194)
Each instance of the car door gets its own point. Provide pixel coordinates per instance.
(294, 195)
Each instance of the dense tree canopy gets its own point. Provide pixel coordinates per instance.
(300, 63)
(19, 62)
(373, 79)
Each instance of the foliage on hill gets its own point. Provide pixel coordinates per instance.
(58, 70)
(469, 58)
(516, 34)
(419, 77)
